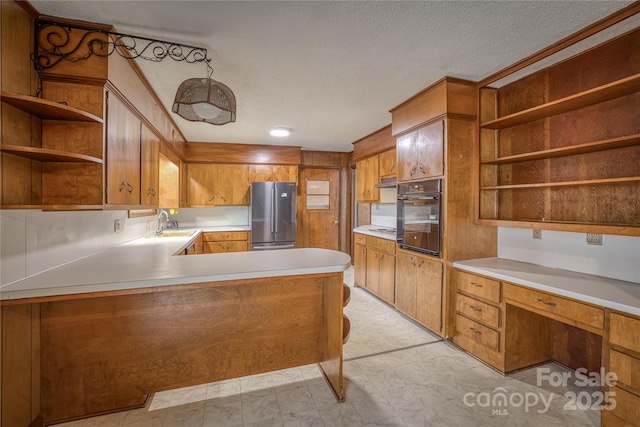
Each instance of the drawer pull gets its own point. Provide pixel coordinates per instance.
(552, 304)
(474, 308)
(475, 331)
(476, 284)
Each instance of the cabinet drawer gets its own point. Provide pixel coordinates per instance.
(476, 310)
(215, 236)
(223, 246)
(627, 369)
(360, 238)
(381, 244)
(478, 286)
(624, 331)
(571, 310)
(627, 406)
(481, 334)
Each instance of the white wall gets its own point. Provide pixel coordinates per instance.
(384, 214)
(32, 241)
(618, 257)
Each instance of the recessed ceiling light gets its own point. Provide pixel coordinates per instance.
(279, 132)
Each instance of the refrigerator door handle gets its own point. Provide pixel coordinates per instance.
(273, 208)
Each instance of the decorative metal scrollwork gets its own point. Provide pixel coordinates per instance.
(54, 42)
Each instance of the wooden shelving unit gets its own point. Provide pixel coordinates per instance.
(589, 147)
(47, 155)
(47, 110)
(559, 151)
(583, 99)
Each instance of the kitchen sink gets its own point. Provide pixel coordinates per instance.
(173, 233)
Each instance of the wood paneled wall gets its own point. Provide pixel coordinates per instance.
(326, 159)
(215, 152)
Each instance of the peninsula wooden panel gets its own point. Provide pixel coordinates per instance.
(157, 341)
(20, 390)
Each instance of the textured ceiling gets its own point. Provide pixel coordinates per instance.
(328, 70)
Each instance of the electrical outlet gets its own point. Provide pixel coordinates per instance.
(594, 239)
(537, 234)
(116, 226)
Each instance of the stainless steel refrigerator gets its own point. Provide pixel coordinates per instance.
(273, 215)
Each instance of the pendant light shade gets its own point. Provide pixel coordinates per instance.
(205, 100)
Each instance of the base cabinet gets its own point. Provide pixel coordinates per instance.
(360, 260)
(419, 289)
(225, 241)
(375, 266)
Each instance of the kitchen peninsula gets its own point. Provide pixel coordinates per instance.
(103, 338)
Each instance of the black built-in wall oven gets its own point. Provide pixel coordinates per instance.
(419, 210)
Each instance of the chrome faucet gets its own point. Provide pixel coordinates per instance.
(161, 224)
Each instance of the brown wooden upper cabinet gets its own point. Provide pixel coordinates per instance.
(123, 154)
(217, 184)
(388, 164)
(367, 176)
(273, 173)
(420, 153)
(149, 168)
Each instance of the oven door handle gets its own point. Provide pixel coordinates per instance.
(417, 198)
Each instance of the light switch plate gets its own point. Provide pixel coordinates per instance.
(116, 226)
(537, 234)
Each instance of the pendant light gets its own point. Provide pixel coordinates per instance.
(205, 100)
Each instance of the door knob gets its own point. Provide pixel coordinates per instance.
(336, 221)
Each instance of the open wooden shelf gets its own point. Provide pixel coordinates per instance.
(596, 95)
(564, 183)
(47, 155)
(48, 110)
(589, 147)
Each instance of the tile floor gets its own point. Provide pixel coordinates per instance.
(396, 374)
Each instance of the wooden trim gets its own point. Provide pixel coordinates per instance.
(373, 144)
(81, 80)
(28, 7)
(228, 153)
(86, 25)
(563, 226)
(574, 38)
(447, 79)
(424, 124)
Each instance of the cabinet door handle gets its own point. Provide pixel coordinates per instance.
(122, 186)
(223, 199)
(151, 192)
(421, 263)
(477, 285)
(475, 331)
(552, 304)
(381, 256)
(129, 188)
(413, 171)
(422, 170)
(474, 308)
(212, 197)
(412, 261)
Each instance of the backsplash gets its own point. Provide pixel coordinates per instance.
(212, 217)
(384, 214)
(617, 258)
(32, 241)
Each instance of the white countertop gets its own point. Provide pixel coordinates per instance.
(610, 293)
(371, 231)
(151, 261)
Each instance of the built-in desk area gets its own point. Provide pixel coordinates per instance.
(513, 315)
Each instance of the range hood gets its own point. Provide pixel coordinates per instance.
(387, 182)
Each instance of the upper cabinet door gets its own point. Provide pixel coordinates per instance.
(430, 150)
(232, 185)
(388, 163)
(201, 184)
(421, 153)
(123, 154)
(149, 168)
(367, 175)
